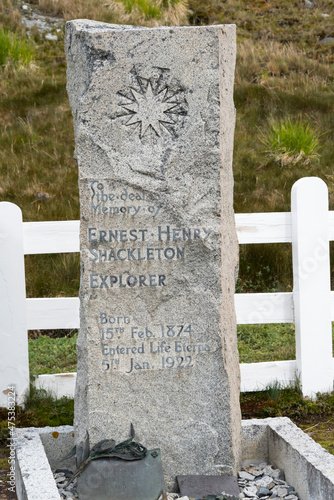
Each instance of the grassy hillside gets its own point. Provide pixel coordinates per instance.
(284, 75)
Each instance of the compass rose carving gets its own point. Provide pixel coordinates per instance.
(153, 108)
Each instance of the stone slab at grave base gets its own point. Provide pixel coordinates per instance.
(307, 466)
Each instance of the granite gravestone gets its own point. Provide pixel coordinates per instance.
(154, 123)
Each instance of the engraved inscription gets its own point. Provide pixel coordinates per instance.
(126, 347)
(142, 253)
(120, 201)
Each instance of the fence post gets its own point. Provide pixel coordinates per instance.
(14, 361)
(311, 289)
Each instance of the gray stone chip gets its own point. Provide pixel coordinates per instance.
(245, 475)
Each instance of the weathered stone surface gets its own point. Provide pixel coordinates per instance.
(154, 123)
(200, 486)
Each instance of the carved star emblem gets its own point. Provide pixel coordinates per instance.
(153, 107)
(150, 109)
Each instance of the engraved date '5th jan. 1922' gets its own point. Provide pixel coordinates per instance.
(163, 363)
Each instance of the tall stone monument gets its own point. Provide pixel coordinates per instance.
(154, 122)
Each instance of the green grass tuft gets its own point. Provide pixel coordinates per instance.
(14, 49)
(41, 409)
(147, 8)
(289, 141)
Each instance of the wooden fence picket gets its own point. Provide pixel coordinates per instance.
(14, 362)
(311, 291)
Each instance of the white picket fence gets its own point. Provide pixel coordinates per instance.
(309, 227)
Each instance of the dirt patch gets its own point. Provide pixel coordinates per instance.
(5, 494)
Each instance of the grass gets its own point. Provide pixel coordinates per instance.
(52, 355)
(41, 409)
(251, 281)
(10, 17)
(289, 142)
(14, 49)
(136, 12)
(58, 275)
(270, 342)
(276, 401)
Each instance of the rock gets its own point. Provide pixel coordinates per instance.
(267, 487)
(58, 475)
(265, 482)
(43, 196)
(274, 473)
(246, 475)
(65, 472)
(51, 37)
(60, 479)
(280, 491)
(281, 475)
(309, 4)
(281, 482)
(254, 471)
(327, 39)
(158, 186)
(250, 491)
(263, 492)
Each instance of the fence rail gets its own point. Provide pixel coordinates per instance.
(309, 227)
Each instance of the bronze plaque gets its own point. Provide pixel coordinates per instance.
(116, 479)
(199, 486)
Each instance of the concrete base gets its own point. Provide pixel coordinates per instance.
(307, 466)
